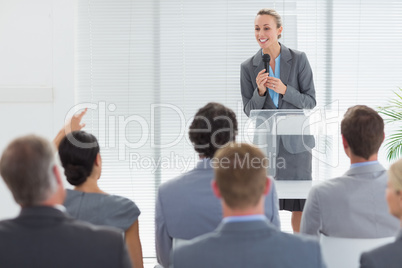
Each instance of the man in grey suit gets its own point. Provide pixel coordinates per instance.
(43, 235)
(353, 205)
(245, 237)
(186, 206)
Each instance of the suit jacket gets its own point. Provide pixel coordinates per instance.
(248, 244)
(385, 256)
(186, 207)
(46, 237)
(295, 73)
(351, 206)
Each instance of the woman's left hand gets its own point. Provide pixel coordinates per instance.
(276, 85)
(73, 124)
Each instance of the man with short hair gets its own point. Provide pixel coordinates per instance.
(353, 205)
(245, 237)
(43, 235)
(186, 206)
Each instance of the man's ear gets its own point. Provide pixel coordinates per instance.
(346, 147)
(215, 189)
(345, 143)
(267, 186)
(57, 175)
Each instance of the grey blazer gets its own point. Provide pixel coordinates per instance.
(248, 244)
(186, 207)
(296, 74)
(351, 206)
(42, 237)
(388, 256)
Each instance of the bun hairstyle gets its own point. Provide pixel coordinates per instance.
(78, 151)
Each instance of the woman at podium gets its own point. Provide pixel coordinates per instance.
(287, 84)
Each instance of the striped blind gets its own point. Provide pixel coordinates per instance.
(146, 67)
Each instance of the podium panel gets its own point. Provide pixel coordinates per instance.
(297, 143)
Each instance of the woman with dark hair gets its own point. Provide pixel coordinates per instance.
(80, 157)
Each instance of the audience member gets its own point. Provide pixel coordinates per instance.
(353, 205)
(186, 206)
(245, 237)
(43, 235)
(82, 162)
(389, 255)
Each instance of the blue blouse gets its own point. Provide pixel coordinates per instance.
(277, 74)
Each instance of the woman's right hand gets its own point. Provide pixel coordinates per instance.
(261, 81)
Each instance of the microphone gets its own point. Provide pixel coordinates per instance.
(266, 59)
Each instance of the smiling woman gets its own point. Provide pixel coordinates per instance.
(289, 82)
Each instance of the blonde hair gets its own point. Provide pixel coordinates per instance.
(395, 175)
(273, 13)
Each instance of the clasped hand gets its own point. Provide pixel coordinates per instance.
(263, 81)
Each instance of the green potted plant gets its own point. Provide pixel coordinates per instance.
(393, 113)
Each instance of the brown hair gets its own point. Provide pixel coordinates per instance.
(213, 126)
(26, 167)
(240, 174)
(363, 129)
(274, 14)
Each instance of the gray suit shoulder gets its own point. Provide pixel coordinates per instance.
(172, 185)
(257, 249)
(247, 63)
(62, 241)
(385, 256)
(300, 241)
(297, 53)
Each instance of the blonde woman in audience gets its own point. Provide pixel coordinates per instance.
(389, 255)
(82, 163)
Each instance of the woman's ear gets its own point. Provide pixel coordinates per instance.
(98, 160)
(279, 31)
(399, 194)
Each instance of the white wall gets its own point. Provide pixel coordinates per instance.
(36, 72)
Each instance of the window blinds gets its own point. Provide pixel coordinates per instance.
(146, 67)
